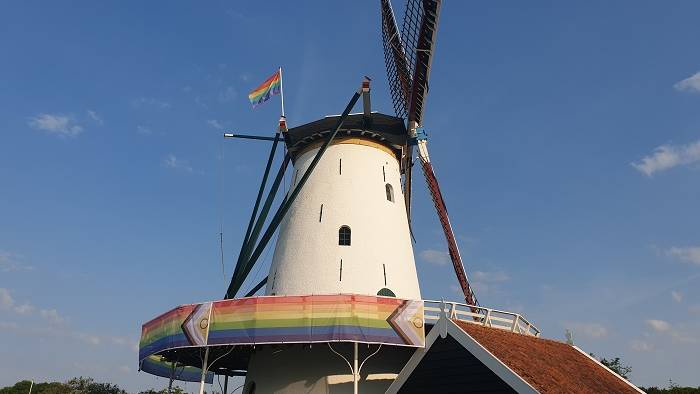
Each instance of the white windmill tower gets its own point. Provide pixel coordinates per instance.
(346, 232)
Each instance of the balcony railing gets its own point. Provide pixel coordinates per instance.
(480, 315)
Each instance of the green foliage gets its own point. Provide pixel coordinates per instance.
(175, 390)
(79, 385)
(83, 385)
(38, 388)
(616, 366)
(671, 389)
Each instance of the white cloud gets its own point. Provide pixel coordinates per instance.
(641, 346)
(215, 124)
(96, 117)
(677, 296)
(665, 157)
(659, 325)
(587, 329)
(6, 300)
(173, 162)
(9, 303)
(149, 102)
(56, 124)
(10, 262)
(144, 130)
(229, 94)
(677, 335)
(436, 257)
(24, 309)
(689, 254)
(690, 84)
(491, 277)
(52, 315)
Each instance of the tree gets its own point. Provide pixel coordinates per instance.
(615, 364)
(83, 385)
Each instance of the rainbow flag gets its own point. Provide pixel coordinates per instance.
(267, 89)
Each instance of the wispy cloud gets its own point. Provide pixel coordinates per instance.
(666, 157)
(8, 303)
(641, 346)
(690, 84)
(228, 94)
(665, 328)
(490, 276)
(215, 124)
(436, 257)
(587, 329)
(171, 161)
(95, 117)
(56, 124)
(144, 130)
(690, 254)
(659, 325)
(11, 262)
(677, 296)
(150, 102)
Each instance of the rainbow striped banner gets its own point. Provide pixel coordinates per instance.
(155, 366)
(287, 319)
(267, 89)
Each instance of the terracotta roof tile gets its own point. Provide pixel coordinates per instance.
(549, 366)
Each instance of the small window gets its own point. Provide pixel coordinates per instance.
(320, 214)
(389, 192)
(386, 293)
(344, 236)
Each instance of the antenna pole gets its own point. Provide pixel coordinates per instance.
(282, 91)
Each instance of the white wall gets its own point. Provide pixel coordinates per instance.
(307, 255)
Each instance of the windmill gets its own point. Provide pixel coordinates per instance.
(408, 55)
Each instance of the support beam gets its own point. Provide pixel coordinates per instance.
(248, 247)
(263, 182)
(256, 288)
(249, 137)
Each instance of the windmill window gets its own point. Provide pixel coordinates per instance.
(320, 214)
(389, 192)
(344, 236)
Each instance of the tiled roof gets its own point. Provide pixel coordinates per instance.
(547, 365)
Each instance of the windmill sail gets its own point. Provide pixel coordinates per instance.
(408, 57)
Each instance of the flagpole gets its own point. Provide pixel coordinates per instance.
(282, 91)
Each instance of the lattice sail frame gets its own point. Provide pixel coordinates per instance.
(408, 58)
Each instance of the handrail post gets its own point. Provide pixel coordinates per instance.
(487, 318)
(515, 323)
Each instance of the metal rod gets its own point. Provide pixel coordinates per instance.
(290, 200)
(249, 137)
(355, 371)
(257, 287)
(225, 384)
(245, 253)
(282, 91)
(244, 245)
(204, 371)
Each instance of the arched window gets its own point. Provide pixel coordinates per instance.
(389, 192)
(386, 293)
(344, 236)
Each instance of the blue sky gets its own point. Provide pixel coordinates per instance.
(566, 138)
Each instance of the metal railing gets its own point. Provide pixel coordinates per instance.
(480, 315)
